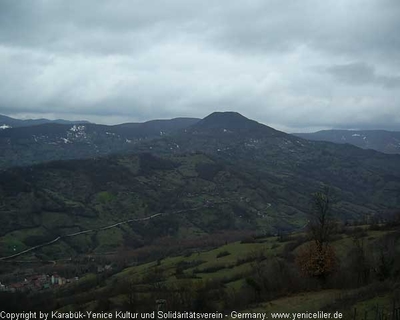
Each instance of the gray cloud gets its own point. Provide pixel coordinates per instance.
(359, 73)
(294, 65)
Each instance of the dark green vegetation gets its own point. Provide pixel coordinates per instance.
(379, 140)
(197, 195)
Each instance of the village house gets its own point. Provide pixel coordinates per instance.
(106, 268)
(36, 283)
(57, 280)
(2, 287)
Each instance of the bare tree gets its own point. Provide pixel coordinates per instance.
(321, 222)
(318, 259)
(360, 263)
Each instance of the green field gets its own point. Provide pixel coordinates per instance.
(225, 273)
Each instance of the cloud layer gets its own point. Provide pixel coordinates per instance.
(295, 65)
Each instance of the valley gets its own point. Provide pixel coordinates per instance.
(220, 206)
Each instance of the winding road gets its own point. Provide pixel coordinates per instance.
(103, 228)
(79, 233)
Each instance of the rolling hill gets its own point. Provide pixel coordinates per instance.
(291, 166)
(196, 195)
(225, 172)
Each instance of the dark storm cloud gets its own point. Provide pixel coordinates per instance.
(361, 74)
(281, 62)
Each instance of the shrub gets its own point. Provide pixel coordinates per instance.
(210, 269)
(223, 254)
(317, 261)
(248, 240)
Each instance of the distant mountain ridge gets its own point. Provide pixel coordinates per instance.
(379, 140)
(8, 122)
(23, 146)
(217, 123)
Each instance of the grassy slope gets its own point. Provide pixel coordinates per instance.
(233, 274)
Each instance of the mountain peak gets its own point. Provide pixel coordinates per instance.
(231, 114)
(228, 120)
(231, 122)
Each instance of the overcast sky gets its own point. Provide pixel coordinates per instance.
(294, 65)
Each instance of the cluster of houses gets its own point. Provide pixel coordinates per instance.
(42, 282)
(36, 282)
